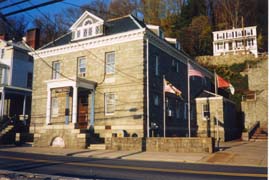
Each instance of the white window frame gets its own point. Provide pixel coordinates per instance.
(81, 66)
(56, 69)
(205, 110)
(89, 29)
(157, 65)
(54, 107)
(110, 63)
(110, 100)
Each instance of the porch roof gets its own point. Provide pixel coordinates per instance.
(74, 82)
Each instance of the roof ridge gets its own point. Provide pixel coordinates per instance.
(117, 18)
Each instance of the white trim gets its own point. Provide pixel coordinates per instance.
(91, 43)
(77, 82)
(81, 18)
(140, 27)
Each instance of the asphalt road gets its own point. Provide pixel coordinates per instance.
(91, 168)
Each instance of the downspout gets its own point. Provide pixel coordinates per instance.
(147, 87)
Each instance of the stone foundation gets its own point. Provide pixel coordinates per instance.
(186, 145)
(72, 138)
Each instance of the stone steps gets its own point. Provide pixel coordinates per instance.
(259, 135)
(97, 147)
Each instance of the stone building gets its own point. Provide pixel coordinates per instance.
(216, 117)
(235, 41)
(105, 78)
(255, 103)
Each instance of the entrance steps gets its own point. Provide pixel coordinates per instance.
(97, 147)
(260, 135)
(7, 135)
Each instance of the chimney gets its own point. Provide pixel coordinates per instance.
(3, 37)
(32, 38)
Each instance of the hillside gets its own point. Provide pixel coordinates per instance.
(233, 68)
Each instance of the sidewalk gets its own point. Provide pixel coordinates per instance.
(232, 153)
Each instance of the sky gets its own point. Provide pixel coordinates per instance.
(31, 14)
(56, 7)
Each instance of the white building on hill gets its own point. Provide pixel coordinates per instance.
(235, 41)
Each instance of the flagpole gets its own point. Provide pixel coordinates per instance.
(189, 112)
(216, 81)
(164, 114)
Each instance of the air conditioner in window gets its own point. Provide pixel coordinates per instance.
(82, 75)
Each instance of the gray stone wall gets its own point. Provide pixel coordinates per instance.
(125, 144)
(183, 145)
(257, 109)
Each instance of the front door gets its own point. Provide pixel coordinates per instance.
(83, 112)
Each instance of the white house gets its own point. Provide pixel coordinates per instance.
(235, 41)
(16, 76)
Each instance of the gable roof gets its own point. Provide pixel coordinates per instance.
(84, 16)
(111, 27)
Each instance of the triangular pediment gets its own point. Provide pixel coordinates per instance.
(86, 16)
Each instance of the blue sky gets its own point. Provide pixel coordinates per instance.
(49, 8)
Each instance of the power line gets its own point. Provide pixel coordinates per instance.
(14, 4)
(32, 7)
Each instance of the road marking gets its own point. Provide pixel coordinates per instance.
(140, 168)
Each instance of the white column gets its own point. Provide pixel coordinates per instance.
(48, 106)
(24, 106)
(92, 108)
(2, 103)
(75, 102)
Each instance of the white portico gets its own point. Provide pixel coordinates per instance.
(63, 92)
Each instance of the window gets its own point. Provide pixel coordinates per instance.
(109, 103)
(177, 67)
(78, 34)
(110, 63)
(97, 30)
(81, 66)
(185, 111)
(85, 32)
(29, 80)
(156, 100)
(56, 70)
(90, 31)
(2, 53)
(205, 111)
(177, 109)
(156, 65)
(54, 106)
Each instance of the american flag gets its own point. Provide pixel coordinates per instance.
(194, 72)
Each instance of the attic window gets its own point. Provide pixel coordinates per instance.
(87, 22)
(88, 28)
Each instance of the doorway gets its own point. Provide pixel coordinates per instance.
(83, 111)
